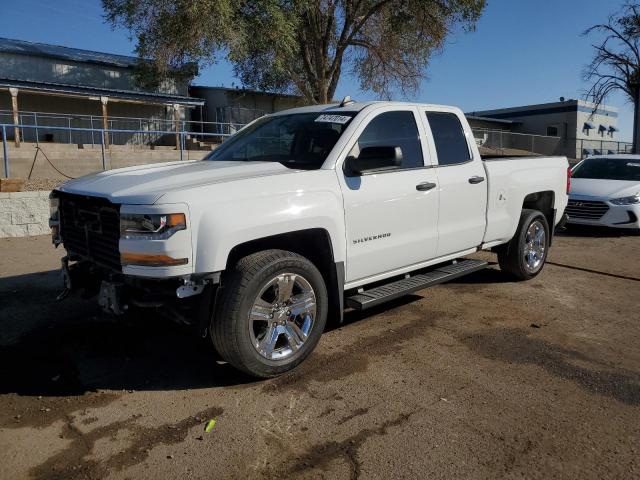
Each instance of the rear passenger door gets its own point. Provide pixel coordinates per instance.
(462, 183)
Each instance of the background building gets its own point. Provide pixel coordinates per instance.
(49, 85)
(581, 130)
(230, 108)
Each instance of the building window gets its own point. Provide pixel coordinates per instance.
(62, 69)
(552, 131)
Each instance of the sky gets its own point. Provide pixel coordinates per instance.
(522, 51)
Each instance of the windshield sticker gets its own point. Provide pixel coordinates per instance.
(333, 119)
(628, 164)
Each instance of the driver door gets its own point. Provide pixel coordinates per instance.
(392, 215)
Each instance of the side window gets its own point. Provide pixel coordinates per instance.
(448, 136)
(394, 129)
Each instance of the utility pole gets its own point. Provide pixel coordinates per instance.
(635, 88)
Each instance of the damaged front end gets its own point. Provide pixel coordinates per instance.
(129, 260)
(184, 300)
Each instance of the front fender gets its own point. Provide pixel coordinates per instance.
(258, 208)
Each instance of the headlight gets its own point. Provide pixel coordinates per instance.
(632, 200)
(54, 205)
(145, 226)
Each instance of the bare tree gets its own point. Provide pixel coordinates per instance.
(616, 63)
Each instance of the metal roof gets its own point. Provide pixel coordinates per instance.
(83, 91)
(9, 45)
(489, 119)
(240, 90)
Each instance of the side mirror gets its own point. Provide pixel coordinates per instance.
(374, 158)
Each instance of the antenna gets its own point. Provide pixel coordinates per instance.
(346, 101)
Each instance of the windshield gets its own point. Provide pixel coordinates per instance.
(299, 140)
(608, 169)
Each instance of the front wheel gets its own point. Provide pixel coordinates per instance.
(525, 255)
(271, 313)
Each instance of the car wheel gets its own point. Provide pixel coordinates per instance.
(525, 255)
(271, 312)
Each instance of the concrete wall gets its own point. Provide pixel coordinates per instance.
(51, 70)
(76, 162)
(24, 214)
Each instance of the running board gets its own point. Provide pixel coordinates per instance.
(390, 291)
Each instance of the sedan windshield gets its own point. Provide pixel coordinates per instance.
(608, 169)
(299, 140)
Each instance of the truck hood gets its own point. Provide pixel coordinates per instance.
(603, 189)
(145, 184)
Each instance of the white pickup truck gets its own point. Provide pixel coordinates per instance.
(301, 214)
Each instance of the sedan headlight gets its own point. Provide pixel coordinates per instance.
(632, 200)
(145, 226)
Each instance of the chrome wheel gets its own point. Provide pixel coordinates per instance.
(535, 245)
(282, 316)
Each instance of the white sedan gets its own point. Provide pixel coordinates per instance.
(606, 191)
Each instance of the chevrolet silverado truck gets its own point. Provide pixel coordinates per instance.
(300, 215)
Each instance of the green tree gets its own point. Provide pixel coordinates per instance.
(616, 61)
(297, 45)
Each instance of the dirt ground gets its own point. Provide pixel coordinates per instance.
(481, 378)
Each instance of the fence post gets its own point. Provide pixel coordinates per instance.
(35, 121)
(181, 149)
(92, 139)
(104, 162)
(4, 151)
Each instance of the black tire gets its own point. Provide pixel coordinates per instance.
(241, 286)
(511, 256)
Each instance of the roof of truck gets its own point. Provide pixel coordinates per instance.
(350, 107)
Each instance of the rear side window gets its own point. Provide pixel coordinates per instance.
(395, 129)
(448, 135)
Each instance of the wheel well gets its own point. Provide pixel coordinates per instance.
(543, 202)
(313, 244)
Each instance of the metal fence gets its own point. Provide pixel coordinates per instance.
(82, 129)
(102, 139)
(503, 142)
(586, 148)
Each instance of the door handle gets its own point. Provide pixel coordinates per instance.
(476, 179)
(424, 186)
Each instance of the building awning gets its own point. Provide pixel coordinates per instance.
(93, 93)
(612, 129)
(603, 128)
(588, 126)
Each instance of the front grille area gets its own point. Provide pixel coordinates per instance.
(586, 209)
(90, 228)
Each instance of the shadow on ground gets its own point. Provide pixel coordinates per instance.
(68, 348)
(65, 348)
(581, 231)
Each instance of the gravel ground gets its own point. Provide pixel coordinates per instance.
(44, 184)
(481, 378)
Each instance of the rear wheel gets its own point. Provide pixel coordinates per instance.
(271, 313)
(525, 255)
